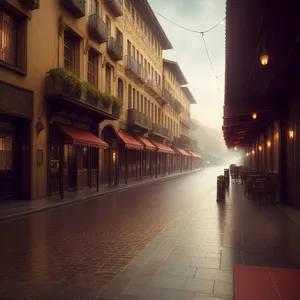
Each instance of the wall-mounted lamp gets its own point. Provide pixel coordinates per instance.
(253, 152)
(269, 144)
(291, 134)
(254, 116)
(235, 148)
(264, 58)
(260, 148)
(114, 156)
(247, 154)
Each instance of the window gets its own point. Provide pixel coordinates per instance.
(8, 39)
(70, 47)
(133, 51)
(133, 98)
(108, 73)
(145, 105)
(119, 37)
(130, 97)
(138, 56)
(152, 112)
(137, 20)
(142, 103)
(108, 26)
(6, 151)
(141, 24)
(93, 67)
(138, 100)
(128, 48)
(93, 7)
(149, 111)
(133, 15)
(13, 41)
(120, 89)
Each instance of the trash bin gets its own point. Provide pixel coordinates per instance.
(221, 188)
(226, 174)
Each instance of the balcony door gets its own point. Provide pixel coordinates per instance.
(108, 26)
(108, 73)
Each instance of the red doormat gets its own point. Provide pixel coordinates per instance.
(263, 283)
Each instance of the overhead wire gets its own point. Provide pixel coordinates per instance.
(203, 39)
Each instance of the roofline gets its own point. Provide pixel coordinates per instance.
(160, 33)
(178, 72)
(189, 94)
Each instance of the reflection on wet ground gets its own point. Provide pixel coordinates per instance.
(168, 240)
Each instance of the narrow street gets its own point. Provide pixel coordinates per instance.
(168, 240)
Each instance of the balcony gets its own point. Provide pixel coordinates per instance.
(115, 6)
(138, 120)
(185, 119)
(115, 49)
(76, 7)
(134, 69)
(31, 4)
(184, 140)
(63, 96)
(152, 86)
(97, 29)
(172, 101)
(161, 131)
(167, 133)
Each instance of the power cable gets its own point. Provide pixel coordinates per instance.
(188, 29)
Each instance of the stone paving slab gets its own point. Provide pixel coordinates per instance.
(170, 240)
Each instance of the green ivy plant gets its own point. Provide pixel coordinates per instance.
(67, 78)
(76, 84)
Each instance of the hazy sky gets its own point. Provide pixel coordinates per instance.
(190, 53)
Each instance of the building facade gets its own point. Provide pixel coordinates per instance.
(86, 98)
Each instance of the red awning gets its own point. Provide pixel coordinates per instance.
(163, 148)
(181, 151)
(195, 154)
(148, 145)
(81, 137)
(129, 141)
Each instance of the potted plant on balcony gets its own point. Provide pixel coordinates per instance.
(116, 106)
(93, 95)
(106, 101)
(62, 81)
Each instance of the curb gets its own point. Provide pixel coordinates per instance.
(92, 197)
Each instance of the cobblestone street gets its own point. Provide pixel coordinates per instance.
(168, 240)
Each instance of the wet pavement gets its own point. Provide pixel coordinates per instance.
(168, 240)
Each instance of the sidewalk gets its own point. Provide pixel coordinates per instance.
(16, 208)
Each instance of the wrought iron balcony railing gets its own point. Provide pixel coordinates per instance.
(134, 68)
(31, 4)
(153, 85)
(115, 49)
(115, 6)
(162, 131)
(184, 118)
(97, 29)
(139, 119)
(76, 7)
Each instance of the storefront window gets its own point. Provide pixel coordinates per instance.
(5, 152)
(85, 158)
(54, 158)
